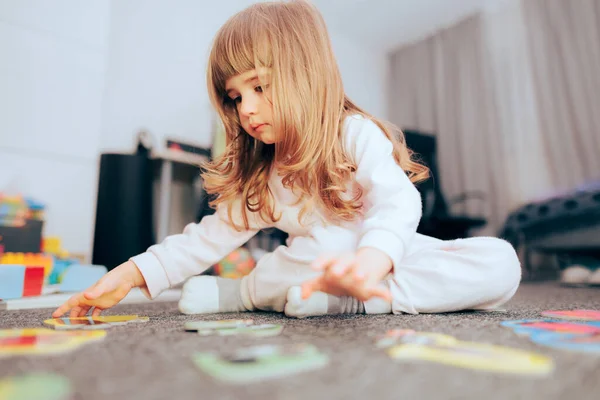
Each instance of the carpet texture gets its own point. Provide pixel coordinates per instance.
(152, 360)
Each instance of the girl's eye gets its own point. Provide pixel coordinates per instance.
(259, 89)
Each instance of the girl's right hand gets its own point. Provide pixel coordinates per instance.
(105, 293)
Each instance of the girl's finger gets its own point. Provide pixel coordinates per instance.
(310, 287)
(96, 312)
(359, 277)
(60, 311)
(84, 310)
(74, 301)
(322, 263)
(342, 265)
(75, 312)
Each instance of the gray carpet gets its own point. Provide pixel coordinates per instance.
(152, 360)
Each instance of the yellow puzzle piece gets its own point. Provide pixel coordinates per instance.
(43, 341)
(100, 322)
(444, 349)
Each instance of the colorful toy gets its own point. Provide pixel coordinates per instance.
(236, 265)
(13, 211)
(29, 260)
(408, 345)
(18, 281)
(100, 322)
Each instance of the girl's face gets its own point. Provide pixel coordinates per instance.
(254, 109)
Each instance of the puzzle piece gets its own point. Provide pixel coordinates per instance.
(100, 322)
(408, 345)
(40, 341)
(258, 363)
(262, 330)
(232, 327)
(585, 343)
(565, 335)
(399, 336)
(195, 326)
(531, 327)
(43, 386)
(582, 315)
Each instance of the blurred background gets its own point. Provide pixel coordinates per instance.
(104, 115)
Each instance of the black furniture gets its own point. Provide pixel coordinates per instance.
(123, 226)
(565, 225)
(438, 221)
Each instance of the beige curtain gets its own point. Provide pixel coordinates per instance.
(513, 97)
(564, 42)
(439, 86)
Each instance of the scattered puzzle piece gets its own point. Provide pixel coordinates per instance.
(408, 345)
(100, 322)
(232, 327)
(531, 327)
(258, 363)
(195, 326)
(39, 386)
(262, 330)
(585, 343)
(582, 315)
(399, 336)
(566, 335)
(40, 341)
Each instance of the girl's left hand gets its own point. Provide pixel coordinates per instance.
(355, 274)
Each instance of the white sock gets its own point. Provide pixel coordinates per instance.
(209, 295)
(297, 307)
(377, 305)
(200, 295)
(324, 304)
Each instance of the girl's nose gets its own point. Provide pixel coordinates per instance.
(249, 106)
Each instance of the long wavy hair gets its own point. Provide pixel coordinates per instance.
(290, 40)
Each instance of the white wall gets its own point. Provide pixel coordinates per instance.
(157, 63)
(78, 78)
(52, 70)
(364, 72)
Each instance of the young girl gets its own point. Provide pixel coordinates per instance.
(303, 158)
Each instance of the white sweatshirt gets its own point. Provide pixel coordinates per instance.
(392, 210)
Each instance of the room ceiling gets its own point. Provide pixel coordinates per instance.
(385, 25)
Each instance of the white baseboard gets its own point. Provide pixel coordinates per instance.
(53, 300)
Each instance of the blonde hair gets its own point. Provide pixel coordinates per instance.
(309, 107)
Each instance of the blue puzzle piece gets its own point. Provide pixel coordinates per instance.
(531, 327)
(585, 343)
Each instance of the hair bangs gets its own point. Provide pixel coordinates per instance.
(240, 46)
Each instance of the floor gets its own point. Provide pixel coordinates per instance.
(152, 360)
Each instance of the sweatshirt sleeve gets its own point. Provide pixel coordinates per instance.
(192, 252)
(392, 202)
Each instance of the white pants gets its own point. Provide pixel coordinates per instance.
(435, 276)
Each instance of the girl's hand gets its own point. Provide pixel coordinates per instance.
(105, 293)
(356, 275)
